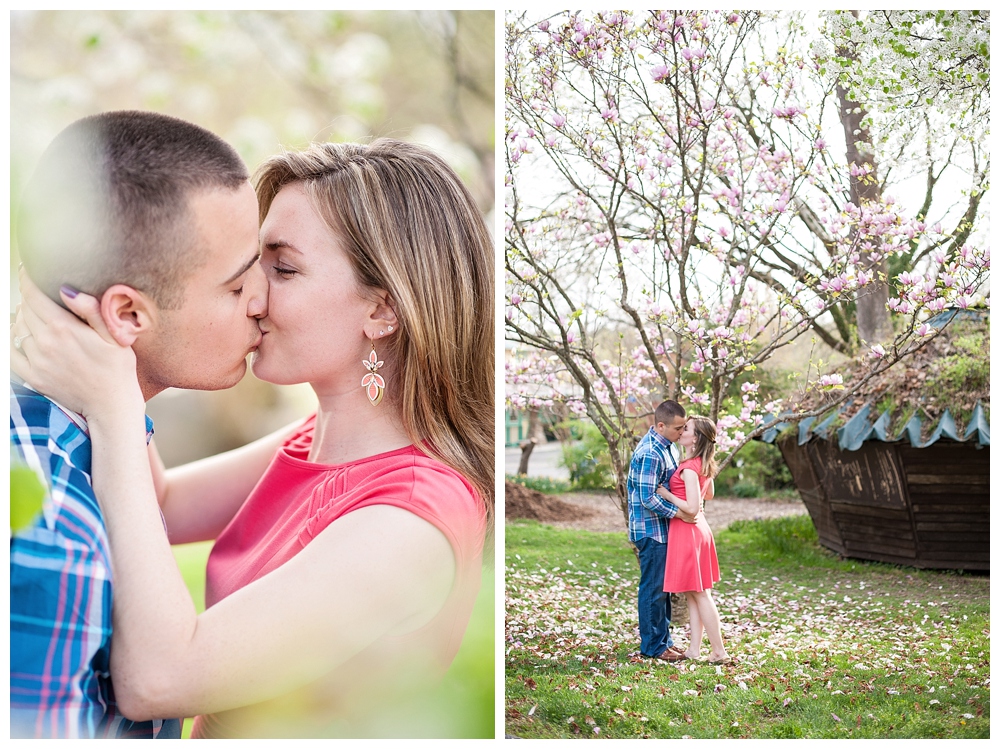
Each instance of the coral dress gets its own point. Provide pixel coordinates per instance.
(692, 563)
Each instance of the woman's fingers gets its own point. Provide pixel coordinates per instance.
(33, 297)
(40, 310)
(87, 308)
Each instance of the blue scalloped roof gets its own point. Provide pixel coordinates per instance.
(862, 427)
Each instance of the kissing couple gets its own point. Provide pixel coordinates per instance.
(348, 546)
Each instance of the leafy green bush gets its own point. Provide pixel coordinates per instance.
(746, 489)
(588, 460)
(542, 484)
(791, 539)
(758, 466)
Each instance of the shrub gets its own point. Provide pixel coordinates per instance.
(588, 460)
(746, 489)
(758, 465)
(542, 484)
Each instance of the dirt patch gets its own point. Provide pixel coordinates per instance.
(522, 502)
(599, 512)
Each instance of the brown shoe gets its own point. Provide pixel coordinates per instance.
(672, 655)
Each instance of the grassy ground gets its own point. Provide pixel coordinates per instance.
(825, 647)
(462, 706)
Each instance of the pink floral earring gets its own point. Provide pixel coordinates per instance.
(373, 383)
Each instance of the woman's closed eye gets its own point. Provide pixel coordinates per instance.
(284, 272)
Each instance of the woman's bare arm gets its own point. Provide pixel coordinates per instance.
(333, 599)
(681, 512)
(691, 489)
(199, 499)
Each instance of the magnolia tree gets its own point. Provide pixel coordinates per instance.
(689, 192)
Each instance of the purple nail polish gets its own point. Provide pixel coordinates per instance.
(69, 291)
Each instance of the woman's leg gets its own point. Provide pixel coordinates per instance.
(697, 629)
(710, 617)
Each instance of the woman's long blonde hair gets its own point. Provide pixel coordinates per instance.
(411, 228)
(704, 445)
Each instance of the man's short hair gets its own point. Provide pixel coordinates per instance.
(108, 203)
(666, 411)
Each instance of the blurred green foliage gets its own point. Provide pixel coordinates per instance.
(263, 79)
(26, 496)
(543, 484)
(757, 469)
(587, 457)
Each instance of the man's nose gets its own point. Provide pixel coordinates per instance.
(257, 281)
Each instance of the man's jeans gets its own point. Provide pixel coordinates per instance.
(654, 603)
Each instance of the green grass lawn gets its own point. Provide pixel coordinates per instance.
(462, 706)
(825, 647)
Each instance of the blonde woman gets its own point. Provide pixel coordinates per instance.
(348, 551)
(692, 564)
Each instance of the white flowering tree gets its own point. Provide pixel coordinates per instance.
(689, 192)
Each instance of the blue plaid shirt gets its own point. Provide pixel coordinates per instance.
(653, 463)
(61, 588)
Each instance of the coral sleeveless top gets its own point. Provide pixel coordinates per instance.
(292, 503)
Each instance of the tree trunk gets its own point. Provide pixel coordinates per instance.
(874, 324)
(535, 429)
(526, 447)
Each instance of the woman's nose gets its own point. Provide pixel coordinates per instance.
(257, 302)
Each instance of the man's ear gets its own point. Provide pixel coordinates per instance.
(382, 322)
(128, 313)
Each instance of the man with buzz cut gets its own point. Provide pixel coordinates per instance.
(653, 463)
(157, 219)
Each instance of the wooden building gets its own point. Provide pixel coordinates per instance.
(903, 500)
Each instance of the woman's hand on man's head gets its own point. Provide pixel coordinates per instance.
(70, 356)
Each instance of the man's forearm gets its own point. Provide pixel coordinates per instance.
(685, 510)
(651, 500)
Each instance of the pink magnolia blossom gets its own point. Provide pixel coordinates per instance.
(660, 73)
